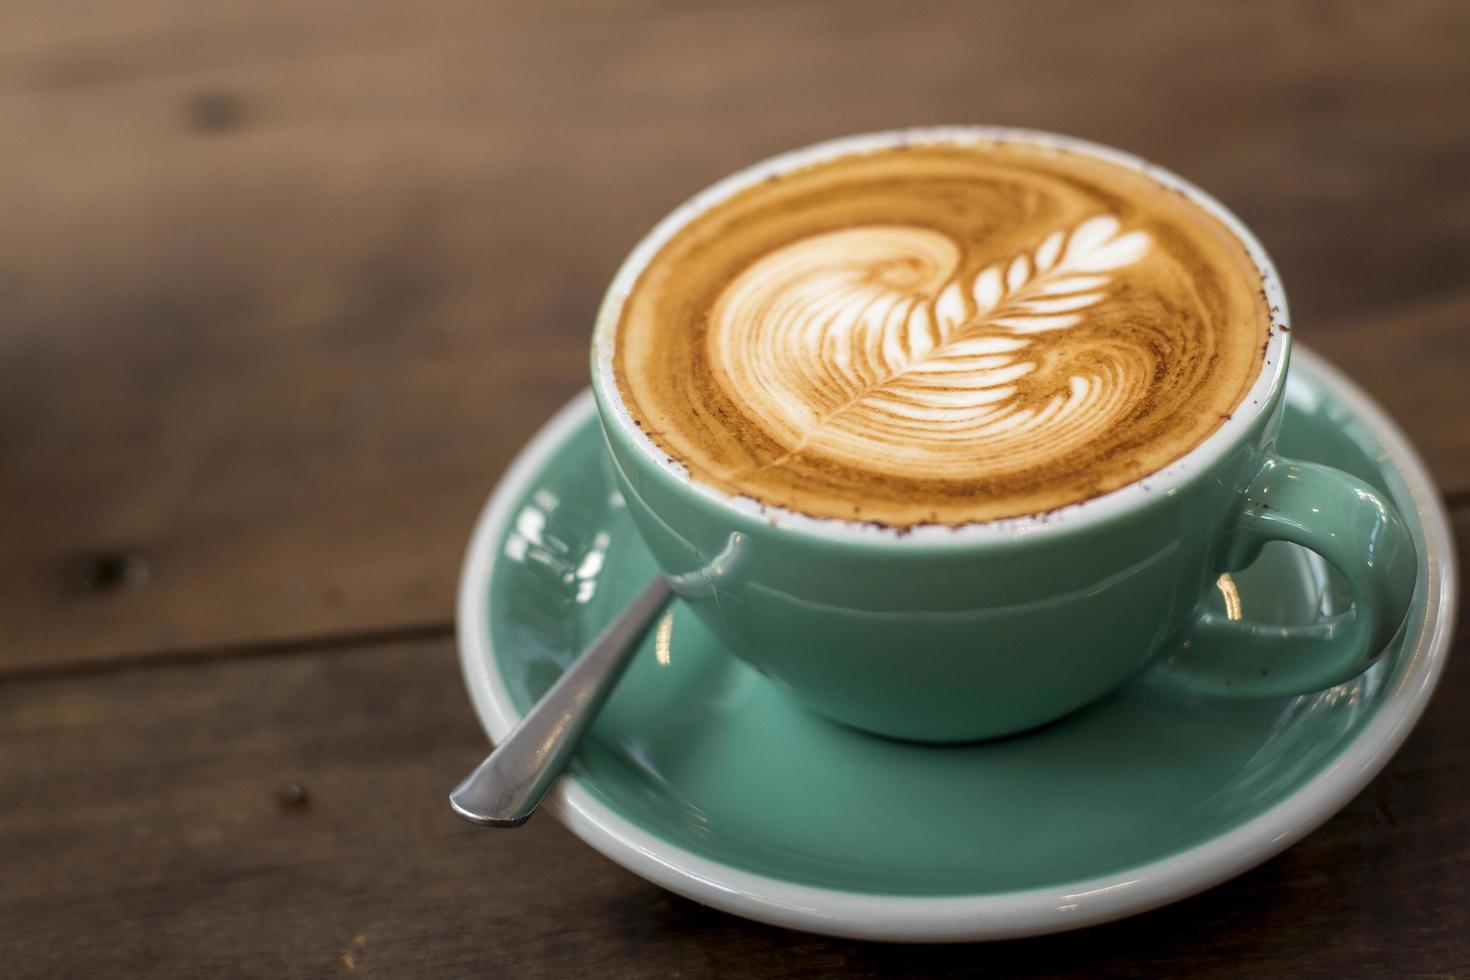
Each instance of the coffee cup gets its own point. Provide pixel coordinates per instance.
(988, 622)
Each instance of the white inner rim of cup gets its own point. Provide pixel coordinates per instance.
(1070, 517)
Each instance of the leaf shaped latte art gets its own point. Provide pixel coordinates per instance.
(865, 346)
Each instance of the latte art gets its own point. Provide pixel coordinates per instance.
(864, 345)
(940, 334)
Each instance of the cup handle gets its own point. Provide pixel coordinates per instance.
(1359, 533)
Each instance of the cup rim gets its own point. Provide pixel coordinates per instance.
(1263, 394)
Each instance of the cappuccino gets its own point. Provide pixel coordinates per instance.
(941, 333)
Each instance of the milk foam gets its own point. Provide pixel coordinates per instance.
(866, 345)
(940, 334)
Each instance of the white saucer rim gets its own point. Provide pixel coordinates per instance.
(950, 918)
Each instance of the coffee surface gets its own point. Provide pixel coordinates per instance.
(941, 333)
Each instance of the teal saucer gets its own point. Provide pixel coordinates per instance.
(702, 776)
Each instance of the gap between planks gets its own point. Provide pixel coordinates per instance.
(223, 652)
(1455, 501)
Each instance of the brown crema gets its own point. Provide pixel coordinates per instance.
(941, 334)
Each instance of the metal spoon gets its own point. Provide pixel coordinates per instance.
(507, 787)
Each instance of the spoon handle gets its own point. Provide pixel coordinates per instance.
(505, 790)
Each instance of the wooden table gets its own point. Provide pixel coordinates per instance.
(284, 285)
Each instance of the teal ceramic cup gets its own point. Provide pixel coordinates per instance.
(958, 634)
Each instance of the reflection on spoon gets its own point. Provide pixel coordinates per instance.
(508, 786)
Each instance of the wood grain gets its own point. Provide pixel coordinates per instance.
(149, 823)
(150, 819)
(284, 285)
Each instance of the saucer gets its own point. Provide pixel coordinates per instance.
(703, 777)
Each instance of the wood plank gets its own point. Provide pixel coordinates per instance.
(146, 824)
(1416, 362)
(285, 285)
